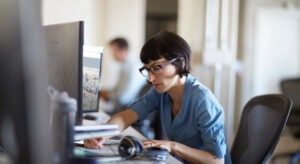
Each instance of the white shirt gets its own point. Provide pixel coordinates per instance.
(129, 84)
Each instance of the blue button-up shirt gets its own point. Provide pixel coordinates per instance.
(200, 125)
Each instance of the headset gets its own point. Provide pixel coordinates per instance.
(130, 147)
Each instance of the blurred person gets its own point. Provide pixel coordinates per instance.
(192, 117)
(129, 83)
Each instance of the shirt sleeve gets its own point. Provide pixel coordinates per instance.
(210, 122)
(146, 104)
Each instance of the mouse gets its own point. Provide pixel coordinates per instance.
(90, 117)
(155, 153)
(155, 149)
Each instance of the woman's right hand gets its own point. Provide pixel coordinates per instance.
(123, 119)
(94, 143)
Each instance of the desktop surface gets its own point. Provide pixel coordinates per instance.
(110, 149)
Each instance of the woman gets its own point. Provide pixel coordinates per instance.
(190, 114)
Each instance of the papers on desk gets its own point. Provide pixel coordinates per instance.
(106, 151)
(95, 127)
(106, 154)
(95, 131)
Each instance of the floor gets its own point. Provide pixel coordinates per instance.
(287, 143)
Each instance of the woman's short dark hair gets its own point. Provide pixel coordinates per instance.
(168, 45)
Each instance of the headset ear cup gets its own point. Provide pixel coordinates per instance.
(126, 147)
(138, 145)
(130, 146)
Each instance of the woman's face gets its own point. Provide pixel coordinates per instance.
(166, 79)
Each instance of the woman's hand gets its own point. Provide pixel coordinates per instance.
(123, 119)
(165, 144)
(94, 143)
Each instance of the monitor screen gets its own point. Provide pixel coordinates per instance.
(92, 62)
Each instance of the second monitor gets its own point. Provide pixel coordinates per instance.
(92, 62)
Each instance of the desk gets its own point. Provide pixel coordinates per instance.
(130, 131)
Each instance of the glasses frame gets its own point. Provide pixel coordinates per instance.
(160, 66)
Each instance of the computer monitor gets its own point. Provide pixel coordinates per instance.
(92, 64)
(65, 50)
(24, 110)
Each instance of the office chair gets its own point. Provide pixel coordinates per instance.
(261, 125)
(291, 88)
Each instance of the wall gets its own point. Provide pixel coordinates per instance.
(191, 25)
(91, 12)
(268, 39)
(127, 19)
(210, 27)
(277, 51)
(104, 19)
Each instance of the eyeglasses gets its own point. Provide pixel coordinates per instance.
(157, 69)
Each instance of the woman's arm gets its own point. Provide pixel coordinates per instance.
(194, 155)
(123, 119)
(185, 152)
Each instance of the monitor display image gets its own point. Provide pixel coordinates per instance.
(92, 62)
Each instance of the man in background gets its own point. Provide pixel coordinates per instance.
(130, 81)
